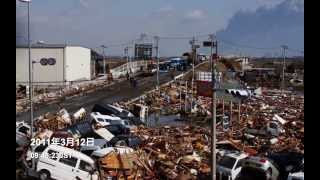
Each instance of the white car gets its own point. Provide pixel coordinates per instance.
(255, 167)
(57, 162)
(230, 164)
(103, 120)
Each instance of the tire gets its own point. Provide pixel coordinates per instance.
(44, 175)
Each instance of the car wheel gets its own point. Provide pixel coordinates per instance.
(44, 175)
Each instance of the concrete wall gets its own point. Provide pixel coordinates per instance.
(40, 73)
(78, 63)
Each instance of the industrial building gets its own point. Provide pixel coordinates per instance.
(72, 63)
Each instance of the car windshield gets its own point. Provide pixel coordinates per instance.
(227, 162)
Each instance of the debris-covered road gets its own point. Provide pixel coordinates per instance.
(116, 92)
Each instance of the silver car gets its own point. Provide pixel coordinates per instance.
(258, 168)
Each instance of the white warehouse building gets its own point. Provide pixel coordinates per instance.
(73, 63)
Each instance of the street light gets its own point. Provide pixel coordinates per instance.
(30, 74)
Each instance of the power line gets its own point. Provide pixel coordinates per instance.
(295, 50)
(246, 46)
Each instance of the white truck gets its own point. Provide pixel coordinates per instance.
(59, 162)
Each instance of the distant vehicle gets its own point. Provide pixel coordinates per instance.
(164, 66)
(258, 168)
(125, 140)
(178, 64)
(102, 119)
(107, 109)
(60, 162)
(23, 131)
(229, 166)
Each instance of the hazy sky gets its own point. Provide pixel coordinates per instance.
(111, 22)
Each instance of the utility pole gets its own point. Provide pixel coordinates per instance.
(213, 122)
(104, 62)
(127, 57)
(185, 98)
(284, 47)
(194, 53)
(30, 77)
(156, 39)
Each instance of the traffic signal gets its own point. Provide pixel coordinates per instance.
(208, 44)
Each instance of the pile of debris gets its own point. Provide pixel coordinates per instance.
(21, 92)
(177, 152)
(271, 123)
(59, 120)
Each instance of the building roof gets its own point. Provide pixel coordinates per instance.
(43, 46)
(48, 46)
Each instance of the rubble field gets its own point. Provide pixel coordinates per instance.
(270, 122)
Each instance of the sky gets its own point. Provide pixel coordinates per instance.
(91, 23)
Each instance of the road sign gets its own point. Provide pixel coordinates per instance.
(51, 61)
(43, 61)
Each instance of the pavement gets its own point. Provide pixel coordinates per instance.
(116, 92)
